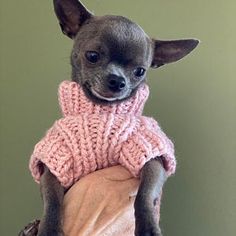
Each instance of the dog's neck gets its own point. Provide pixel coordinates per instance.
(73, 101)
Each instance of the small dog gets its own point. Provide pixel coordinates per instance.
(110, 57)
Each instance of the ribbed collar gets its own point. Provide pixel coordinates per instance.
(73, 101)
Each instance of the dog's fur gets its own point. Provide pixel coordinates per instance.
(109, 59)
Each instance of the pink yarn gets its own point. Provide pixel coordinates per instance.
(93, 136)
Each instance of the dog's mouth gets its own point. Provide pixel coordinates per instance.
(98, 95)
(103, 97)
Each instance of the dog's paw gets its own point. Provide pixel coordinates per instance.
(31, 229)
(147, 230)
(147, 224)
(46, 231)
(50, 233)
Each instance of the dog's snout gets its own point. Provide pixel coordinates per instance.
(116, 83)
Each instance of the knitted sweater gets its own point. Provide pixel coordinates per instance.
(93, 136)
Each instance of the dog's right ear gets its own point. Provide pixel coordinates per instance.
(71, 15)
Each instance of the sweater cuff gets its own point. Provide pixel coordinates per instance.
(145, 145)
(56, 155)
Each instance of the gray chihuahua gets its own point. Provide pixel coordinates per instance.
(109, 59)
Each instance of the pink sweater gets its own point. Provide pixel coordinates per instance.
(93, 136)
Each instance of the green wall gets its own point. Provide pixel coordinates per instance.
(194, 100)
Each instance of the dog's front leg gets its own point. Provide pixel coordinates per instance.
(52, 194)
(153, 177)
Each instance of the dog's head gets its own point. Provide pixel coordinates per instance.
(111, 54)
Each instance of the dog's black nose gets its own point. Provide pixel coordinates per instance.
(116, 83)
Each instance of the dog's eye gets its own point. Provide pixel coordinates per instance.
(92, 56)
(139, 72)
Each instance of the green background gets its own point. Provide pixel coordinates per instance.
(194, 100)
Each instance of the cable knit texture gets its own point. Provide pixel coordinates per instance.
(93, 136)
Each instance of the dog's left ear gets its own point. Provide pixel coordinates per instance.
(170, 51)
(71, 14)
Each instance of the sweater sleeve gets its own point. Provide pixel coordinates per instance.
(147, 142)
(54, 152)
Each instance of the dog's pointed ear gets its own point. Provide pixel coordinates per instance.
(170, 51)
(71, 15)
